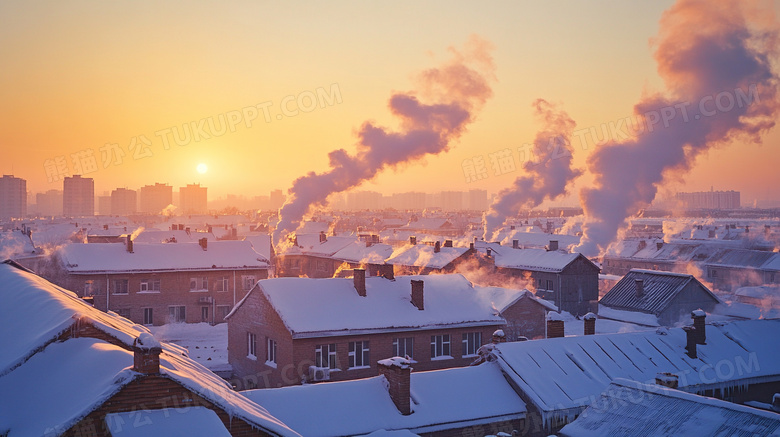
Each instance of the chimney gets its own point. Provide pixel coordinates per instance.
(187, 230)
(471, 246)
(515, 244)
(640, 287)
(488, 252)
(590, 324)
(129, 244)
(417, 294)
(437, 247)
(386, 271)
(699, 317)
(323, 237)
(512, 227)
(554, 325)
(412, 240)
(210, 229)
(666, 379)
(146, 354)
(642, 244)
(447, 243)
(398, 372)
(659, 245)
(234, 233)
(105, 227)
(359, 279)
(747, 229)
(204, 243)
(711, 233)
(690, 337)
(553, 245)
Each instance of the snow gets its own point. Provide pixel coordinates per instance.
(442, 399)
(314, 307)
(15, 244)
(423, 255)
(204, 343)
(114, 257)
(166, 422)
(634, 317)
(401, 362)
(501, 298)
(573, 326)
(261, 243)
(180, 236)
(553, 316)
(357, 252)
(698, 313)
(535, 259)
(309, 244)
(146, 341)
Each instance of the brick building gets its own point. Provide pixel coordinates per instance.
(428, 257)
(157, 283)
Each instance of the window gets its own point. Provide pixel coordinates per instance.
(440, 346)
(550, 285)
(358, 354)
(403, 347)
(176, 314)
(713, 273)
(204, 314)
(322, 265)
(248, 281)
(471, 342)
(124, 312)
(148, 316)
(89, 288)
(222, 284)
(325, 355)
(199, 284)
(251, 345)
(271, 353)
(222, 312)
(120, 286)
(150, 285)
(295, 264)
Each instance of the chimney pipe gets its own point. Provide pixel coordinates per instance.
(512, 227)
(323, 237)
(386, 270)
(129, 244)
(447, 243)
(590, 324)
(412, 240)
(659, 245)
(146, 354)
(471, 246)
(711, 233)
(640, 287)
(105, 227)
(699, 317)
(437, 247)
(666, 379)
(690, 337)
(488, 252)
(418, 299)
(397, 371)
(553, 245)
(359, 279)
(204, 242)
(555, 328)
(515, 244)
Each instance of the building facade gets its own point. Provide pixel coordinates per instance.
(192, 199)
(78, 196)
(13, 197)
(155, 198)
(124, 202)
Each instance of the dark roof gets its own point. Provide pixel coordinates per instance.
(660, 288)
(740, 258)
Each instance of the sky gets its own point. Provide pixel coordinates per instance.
(100, 88)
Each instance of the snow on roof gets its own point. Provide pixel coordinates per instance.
(309, 244)
(166, 422)
(429, 223)
(261, 243)
(742, 258)
(316, 307)
(535, 239)
(535, 259)
(629, 407)
(500, 298)
(771, 292)
(310, 227)
(561, 376)
(636, 317)
(423, 255)
(659, 291)
(357, 252)
(15, 244)
(442, 399)
(114, 257)
(181, 236)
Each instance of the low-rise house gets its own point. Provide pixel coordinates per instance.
(633, 408)
(428, 257)
(72, 370)
(732, 268)
(525, 314)
(155, 283)
(289, 330)
(311, 255)
(570, 280)
(653, 298)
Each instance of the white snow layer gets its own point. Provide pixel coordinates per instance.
(166, 422)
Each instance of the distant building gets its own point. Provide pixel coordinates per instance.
(276, 199)
(710, 200)
(78, 196)
(13, 197)
(155, 198)
(452, 200)
(192, 199)
(478, 200)
(124, 202)
(104, 204)
(49, 203)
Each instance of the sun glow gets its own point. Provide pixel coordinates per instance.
(202, 168)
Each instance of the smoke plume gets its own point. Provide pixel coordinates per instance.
(453, 94)
(715, 59)
(546, 175)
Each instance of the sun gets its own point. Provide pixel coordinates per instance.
(202, 168)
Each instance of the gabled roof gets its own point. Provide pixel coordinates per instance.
(660, 289)
(423, 255)
(324, 307)
(632, 408)
(310, 244)
(742, 258)
(114, 257)
(357, 252)
(181, 236)
(429, 223)
(562, 376)
(441, 399)
(502, 298)
(537, 259)
(15, 244)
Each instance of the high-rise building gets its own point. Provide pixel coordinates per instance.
(277, 199)
(104, 204)
(124, 202)
(192, 199)
(155, 198)
(78, 196)
(48, 203)
(710, 200)
(13, 197)
(452, 200)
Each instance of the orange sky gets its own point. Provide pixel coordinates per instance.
(76, 76)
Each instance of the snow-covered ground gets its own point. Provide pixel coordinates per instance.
(206, 344)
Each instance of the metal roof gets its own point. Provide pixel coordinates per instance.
(741, 258)
(660, 288)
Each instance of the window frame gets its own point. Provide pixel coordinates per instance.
(126, 286)
(224, 284)
(178, 313)
(326, 354)
(251, 345)
(408, 347)
(201, 284)
(270, 352)
(148, 316)
(364, 355)
(154, 288)
(441, 347)
(471, 342)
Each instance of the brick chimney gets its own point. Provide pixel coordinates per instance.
(690, 337)
(398, 373)
(146, 354)
(699, 317)
(204, 243)
(590, 324)
(554, 325)
(129, 244)
(323, 237)
(488, 252)
(437, 247)
(659, 245)
(359, 279)
(515, 244)
(640, 287)
(471, 246)
(412, 240)
(553, 245)
(667, 379)
(386, 271)
(447, 243)
(418, 298)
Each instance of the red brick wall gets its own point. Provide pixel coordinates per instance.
(524, 318)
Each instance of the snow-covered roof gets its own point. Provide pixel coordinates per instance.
(166, 422)
(180, 236)
(561, 376)
(534, 239)
(429, 223)
(321, 307)
(114, 257)
(261, 243)
(442, 399)
(742, 258)
(536, 259)
(636, 317)
(660, 289)
(310, 244)
(500, 298)
(15, 244)
(632, 408)
(423, 255)
(357, 252)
